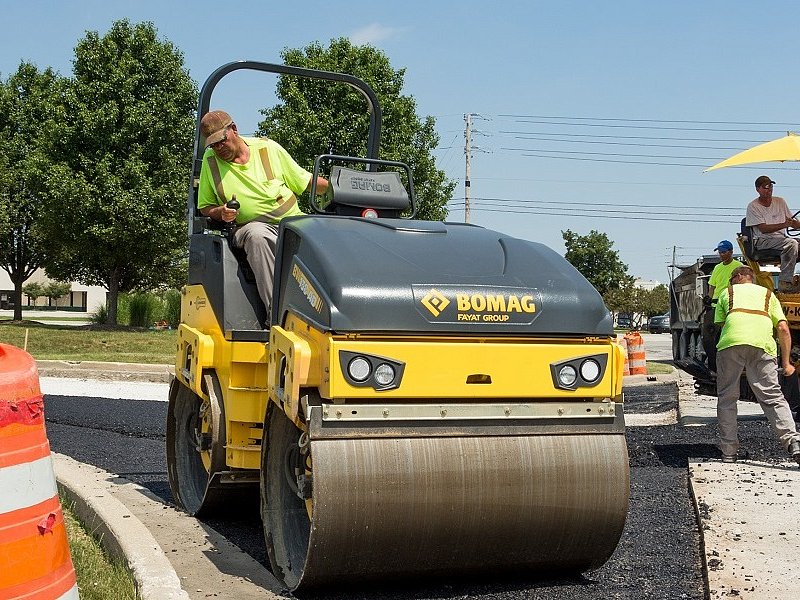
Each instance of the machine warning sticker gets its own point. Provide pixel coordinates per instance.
(477, 304)
(306, 288)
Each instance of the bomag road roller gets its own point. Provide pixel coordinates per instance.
(692, 310)
(424, 398)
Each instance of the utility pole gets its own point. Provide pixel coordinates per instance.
(468, 154)
(674, 252)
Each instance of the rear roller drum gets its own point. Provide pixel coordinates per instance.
(195, 447)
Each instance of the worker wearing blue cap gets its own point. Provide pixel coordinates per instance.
(719, 280)
(721, 275)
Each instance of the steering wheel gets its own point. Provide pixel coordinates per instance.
(791, 232)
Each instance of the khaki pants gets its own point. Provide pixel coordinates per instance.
(762, 374)
(259, 241)
(788, 248)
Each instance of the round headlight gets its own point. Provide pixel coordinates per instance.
(590, 370)
(567, 375)
(359, 368)
(384, 374)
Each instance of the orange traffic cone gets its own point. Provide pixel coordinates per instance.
(35, 563)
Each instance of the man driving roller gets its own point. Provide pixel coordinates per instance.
(769, 217)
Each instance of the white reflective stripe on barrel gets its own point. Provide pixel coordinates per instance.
(27, 484)
(71, 594)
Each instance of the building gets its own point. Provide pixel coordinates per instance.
(81, 298)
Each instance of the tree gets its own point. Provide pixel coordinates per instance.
(593, 255)
(55, 290)
(115, 188)
(656, 301)
(29, 113)
(319, 117)
(33, 291)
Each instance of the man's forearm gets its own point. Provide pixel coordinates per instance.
(785, 341)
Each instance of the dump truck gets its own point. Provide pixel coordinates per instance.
(692, 313)
(424, 398)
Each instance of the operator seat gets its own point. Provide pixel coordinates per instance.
(768, 256)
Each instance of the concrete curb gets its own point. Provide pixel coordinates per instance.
(121, 533)
(105, 370)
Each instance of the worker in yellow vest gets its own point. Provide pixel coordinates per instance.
(748, 313)
(263, 177)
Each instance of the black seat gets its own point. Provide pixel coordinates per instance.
(766, 256)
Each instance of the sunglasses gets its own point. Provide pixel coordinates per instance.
(224, 139)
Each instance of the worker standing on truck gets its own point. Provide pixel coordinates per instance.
(717, 283)
(748, 313)
(769, 217)
(263, 177)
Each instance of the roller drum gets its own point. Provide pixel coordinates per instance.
(397, 507)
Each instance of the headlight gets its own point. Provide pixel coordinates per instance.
(359, 368)
(384, 374)
(578, 372)
(590, 370)
(369, 370)
(567, 375)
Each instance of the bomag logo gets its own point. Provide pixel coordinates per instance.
(311, 294)
(492, 307)
(448, 304)
(435, 302)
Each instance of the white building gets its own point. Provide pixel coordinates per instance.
(81, 298)
(645, 284)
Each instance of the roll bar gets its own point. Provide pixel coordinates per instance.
(373, 107)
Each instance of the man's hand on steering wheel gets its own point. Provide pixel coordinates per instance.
(793, 225)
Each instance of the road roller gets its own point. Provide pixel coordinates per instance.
(424, 399)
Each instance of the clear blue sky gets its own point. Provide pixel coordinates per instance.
(591, 115)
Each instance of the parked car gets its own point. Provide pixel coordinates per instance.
(658, 324)
(623, 322)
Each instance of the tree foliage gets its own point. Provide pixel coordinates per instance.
(56, 289)
(593, 255)
(115, 185)
(637, 302)
(320, 117)
(29, 113)
(33, 290)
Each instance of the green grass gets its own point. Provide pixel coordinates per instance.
(100, 576)
(659, 368)
(92, 343)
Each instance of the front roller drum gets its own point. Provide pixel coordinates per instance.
(385, 508)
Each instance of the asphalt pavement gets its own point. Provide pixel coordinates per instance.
(746, 543)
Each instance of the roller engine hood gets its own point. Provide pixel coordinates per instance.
(392, 275)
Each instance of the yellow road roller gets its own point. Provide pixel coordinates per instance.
(424, 398)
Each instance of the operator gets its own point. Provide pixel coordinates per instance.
(748, 313)
(769, 217)
(263, 177)
(717, 283)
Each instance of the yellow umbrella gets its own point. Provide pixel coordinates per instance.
(785, 148)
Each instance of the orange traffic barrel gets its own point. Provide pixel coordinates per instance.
(636, 354)
(35, 563)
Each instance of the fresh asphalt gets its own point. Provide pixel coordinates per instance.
(659, 555)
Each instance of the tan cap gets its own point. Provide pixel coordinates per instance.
(212, 126)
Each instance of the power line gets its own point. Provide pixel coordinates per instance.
(572, 202)
(603, 216)
(693, 122)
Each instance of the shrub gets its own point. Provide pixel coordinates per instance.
(172, 308)
(143, 308)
